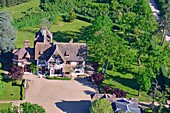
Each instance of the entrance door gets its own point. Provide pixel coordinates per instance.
(27, 68)
(43, 69)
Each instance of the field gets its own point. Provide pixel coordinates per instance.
(5, 106)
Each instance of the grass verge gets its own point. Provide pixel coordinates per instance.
(10, 92)
(5, 106)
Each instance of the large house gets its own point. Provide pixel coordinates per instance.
(52, 58)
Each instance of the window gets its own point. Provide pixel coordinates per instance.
(66, 53)
(68, 62)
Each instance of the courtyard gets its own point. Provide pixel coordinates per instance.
(60, 96)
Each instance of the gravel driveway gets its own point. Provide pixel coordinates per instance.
(58, 96)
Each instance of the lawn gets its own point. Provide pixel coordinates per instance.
(126, 83)
(10, 92)
(62, 32)
(5, 106)
(17, 11)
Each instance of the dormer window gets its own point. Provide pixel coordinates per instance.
(66, 53)
(79, 54)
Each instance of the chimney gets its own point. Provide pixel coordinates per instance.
(71, 41)
(26, 44)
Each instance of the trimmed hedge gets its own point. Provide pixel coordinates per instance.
(84, 18)
(57, 78)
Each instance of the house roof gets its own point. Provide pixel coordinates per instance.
(43, 35)
(72, 51)
(23, 53)
(43, 51)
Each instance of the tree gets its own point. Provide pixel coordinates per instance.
(31, 108)
(7, 33)
(165, 22)
(101, 106)
(98, 78)
(105, 47)
(119, 93)
(2, 3)
(143, 78)
(72, 16)
(26, 107)
(16, 72)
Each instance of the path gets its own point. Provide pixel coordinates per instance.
(58, 96)
(156, 12)
(14, 102)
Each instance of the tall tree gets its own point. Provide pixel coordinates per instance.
(165, 22)
(101, 106)
(143, 78)
(2, 3)
(7, 33)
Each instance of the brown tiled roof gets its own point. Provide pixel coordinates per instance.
(43, 51)
(23, 53)
(73, 51)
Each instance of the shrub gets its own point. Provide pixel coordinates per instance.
(34, 68)
(101, 106)
(1, 85)
(16, 72)
(26, 107)
(106, 89)
(119, 93)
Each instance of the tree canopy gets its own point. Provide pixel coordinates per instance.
(101, 106)
(7, 33)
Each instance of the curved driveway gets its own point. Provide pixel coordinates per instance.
(58, 96)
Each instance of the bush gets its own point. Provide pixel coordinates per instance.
(57, 78)
(101, 106)
(106, 89)
(26, 107)
(119, 93)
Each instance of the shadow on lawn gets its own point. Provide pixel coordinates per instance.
(81, 106)
(85, 82)
(65, 36)
(124, 81)
(6, 61)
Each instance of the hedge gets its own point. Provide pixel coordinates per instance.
(84, 18)
(57, 78)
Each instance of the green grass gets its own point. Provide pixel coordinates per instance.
(10, 92)
(126, 83)
(17, 11)
(62, 31)
(5, 106)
